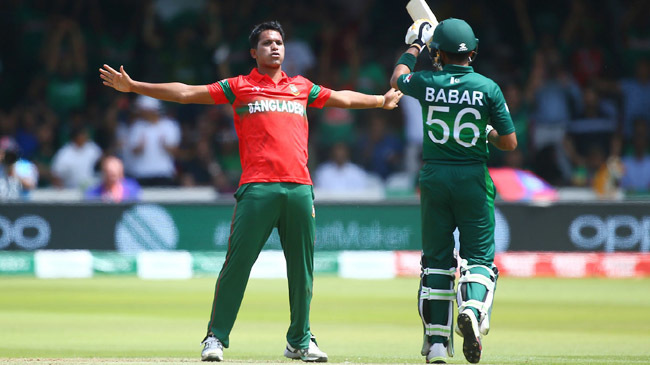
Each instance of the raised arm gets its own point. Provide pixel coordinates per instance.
(174, 91)
(417, 37)
(401, 68)
(348, 99)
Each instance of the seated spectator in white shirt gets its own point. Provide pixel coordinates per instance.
(339, 174)
(73, 165)
(153, 140)
(17, 176)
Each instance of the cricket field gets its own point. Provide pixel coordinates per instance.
(126, 320)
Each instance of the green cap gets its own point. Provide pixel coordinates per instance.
(454, 36)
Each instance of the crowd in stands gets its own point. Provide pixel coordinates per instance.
(575, 74)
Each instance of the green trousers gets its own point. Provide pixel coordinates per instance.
(455, 196)
(261, 207)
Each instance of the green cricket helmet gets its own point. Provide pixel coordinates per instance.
(454, 36)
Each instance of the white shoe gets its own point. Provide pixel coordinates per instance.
(484, 326)
(468, 327)
(310, 354)
(213, 350)
(437, 354)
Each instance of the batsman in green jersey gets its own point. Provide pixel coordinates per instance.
(461, 111)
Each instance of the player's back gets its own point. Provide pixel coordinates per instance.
(457, 104)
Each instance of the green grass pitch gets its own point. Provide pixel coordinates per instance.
(126, 320)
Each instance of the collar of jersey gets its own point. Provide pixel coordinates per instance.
(258, 77)
(458, 68)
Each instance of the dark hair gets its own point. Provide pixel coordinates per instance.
(457, 57)
(77, 131)
(254, 37)
(11, 150)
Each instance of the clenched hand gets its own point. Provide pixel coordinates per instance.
(391, 98)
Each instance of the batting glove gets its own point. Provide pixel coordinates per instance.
(419, 33)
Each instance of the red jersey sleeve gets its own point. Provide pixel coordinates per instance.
(222, 91)
(318, 95)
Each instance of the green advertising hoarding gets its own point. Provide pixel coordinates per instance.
(16, 263)
(130, 228)
(339, 227)
(386, 226)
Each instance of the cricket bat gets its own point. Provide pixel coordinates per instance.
(419, 9)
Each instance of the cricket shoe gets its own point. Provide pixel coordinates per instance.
(213, 350)
(437, 354)
(468, 327)
(310, 354)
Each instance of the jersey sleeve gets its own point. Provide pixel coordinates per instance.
(318, 96)
(499, 113)
(410, 84)
(223, 92)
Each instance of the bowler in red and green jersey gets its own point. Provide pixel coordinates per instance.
(275, 190)
(271, 123)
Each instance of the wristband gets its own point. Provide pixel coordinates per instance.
(416, 45)
(380, 104)
(407, 60)
(488, 129)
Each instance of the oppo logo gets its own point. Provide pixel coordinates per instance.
(28, 232)
(616, 232)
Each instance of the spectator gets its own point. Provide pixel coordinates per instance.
(26, 133)
(590, 136)
(607, 179)
(555, 99)
(73, 165)
(553, 94)
(300, 58)
(228, 155)
(381, 149)
(636, 178)
(123, 125)
(519, 111)
(635, 92)
(153, 140)
(107, 134)
(339, 174)
(635, 35)
(336, 125)
(54, 42)
(27, 174)
(583, 37)
(17, 176)
(114, 187)
(413, 129)
(9, 122)
(66, 67)
(46, 135)
(202, 169)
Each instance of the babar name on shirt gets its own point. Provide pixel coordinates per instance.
(453, 96)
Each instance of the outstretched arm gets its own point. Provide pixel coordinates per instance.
(174, 91)
(354, 100)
